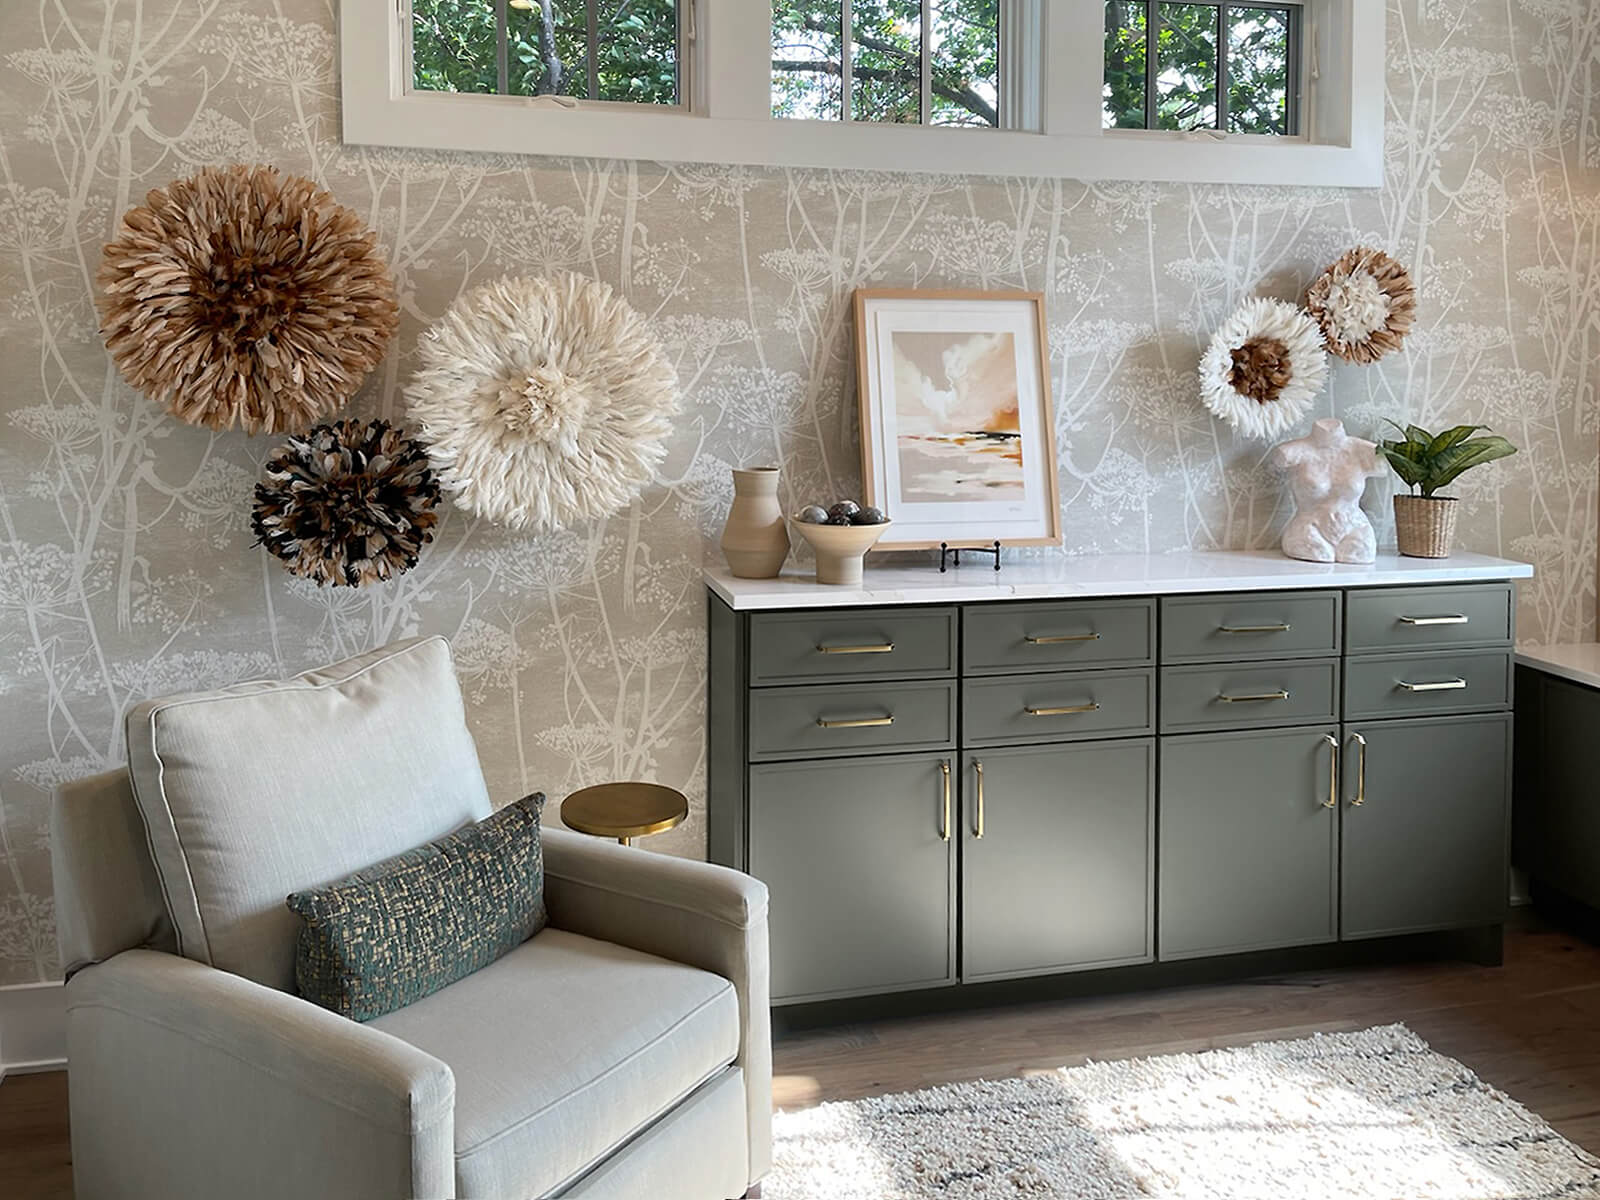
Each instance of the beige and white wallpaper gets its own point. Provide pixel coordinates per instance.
(126, 564)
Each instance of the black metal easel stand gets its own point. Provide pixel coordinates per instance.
(945, 551)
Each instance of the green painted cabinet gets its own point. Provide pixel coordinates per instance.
(1249, 845)
(1424, 824)
(860, 857)
(1061, 877)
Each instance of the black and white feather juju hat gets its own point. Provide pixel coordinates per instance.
(544, 401)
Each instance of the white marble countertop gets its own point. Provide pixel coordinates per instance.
(1577, 661)
(1066, 577)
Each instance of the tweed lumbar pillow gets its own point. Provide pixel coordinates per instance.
(395, 932)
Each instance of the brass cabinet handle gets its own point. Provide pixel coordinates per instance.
(1062, 710)
(1055, 639)
(1333, 771)
(944, 825)
(1280, 627)
(1361, 770)
(1280, 694)
(858, 723)
(875, 648)
(977, 770)
(1448, 619)
(1443, 685)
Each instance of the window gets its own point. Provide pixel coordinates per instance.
(615, 50)
(1047, 88)
(1234, 68)
(910, 62)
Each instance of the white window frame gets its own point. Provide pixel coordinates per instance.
(727, 115)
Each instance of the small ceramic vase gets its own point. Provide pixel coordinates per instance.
(755, 541)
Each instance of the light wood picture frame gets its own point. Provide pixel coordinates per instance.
(958, 440)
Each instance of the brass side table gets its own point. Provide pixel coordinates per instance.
(624, 810)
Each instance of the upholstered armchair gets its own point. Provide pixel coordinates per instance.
(622, 1051)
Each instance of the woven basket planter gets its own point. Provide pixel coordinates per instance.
(1425, 526)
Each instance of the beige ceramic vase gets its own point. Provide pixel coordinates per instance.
(755, 541)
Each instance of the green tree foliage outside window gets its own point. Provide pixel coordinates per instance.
(1258, 45)
(886, 48)
(455, 48)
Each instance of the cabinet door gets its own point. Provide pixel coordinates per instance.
(1248, 842)
(1426, 846)
(1061, 878)
(861, 872)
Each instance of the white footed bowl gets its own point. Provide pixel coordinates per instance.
(840, 548)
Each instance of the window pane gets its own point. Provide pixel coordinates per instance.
(886, 67)
(964, 38)
(1186, 64)
(549, 47)
(1258, 70)
(453, 46)
(1123, 95)
(806, 61)
(637, 51)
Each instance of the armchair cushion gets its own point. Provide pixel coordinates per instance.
(403, 929)
(253, 791)
(563, 1050)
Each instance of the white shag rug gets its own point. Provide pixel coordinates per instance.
(1374, 1115)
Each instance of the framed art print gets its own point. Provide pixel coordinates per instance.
(957, 428)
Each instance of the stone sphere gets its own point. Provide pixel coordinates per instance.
(812, 514)
(844, 508)
(868, 516)
(838, 519)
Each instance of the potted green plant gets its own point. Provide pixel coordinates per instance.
(1425, 523)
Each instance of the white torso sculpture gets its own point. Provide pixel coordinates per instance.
(1327, 473)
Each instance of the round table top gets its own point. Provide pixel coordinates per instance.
(624, 810)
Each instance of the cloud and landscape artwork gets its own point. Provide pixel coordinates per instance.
(955, 405)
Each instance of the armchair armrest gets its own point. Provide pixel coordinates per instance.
(697, 913)
(188, 1081)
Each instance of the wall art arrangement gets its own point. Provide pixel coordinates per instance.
(1264, 368)
(127, 563)
(957, 424)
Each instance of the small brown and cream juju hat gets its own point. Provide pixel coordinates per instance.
(244, 297)
(1365, 304)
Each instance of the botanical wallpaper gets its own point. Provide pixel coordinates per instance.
(127, 568)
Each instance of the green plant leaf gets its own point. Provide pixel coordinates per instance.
(1464, 457)
(1453, 437)
(1410, 471)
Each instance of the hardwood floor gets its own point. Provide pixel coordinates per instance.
(1530, 1028)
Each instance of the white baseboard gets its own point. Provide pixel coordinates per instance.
(33, 1028)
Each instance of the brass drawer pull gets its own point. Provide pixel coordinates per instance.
(1280, 627)
(1333, 771)
(1280, 694)
(1361, 770)
(1063, 710)
(977, 771)
(876, 648)
(858, 723)
(1056, 639)
(1443, 685)
(1451, 619)
(944, 826)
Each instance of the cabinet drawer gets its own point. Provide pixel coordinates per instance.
(1292, 693)
(1239, 628)
(1056, 708)
(1053, 635)
(870, 643)
(851, 719)
(1399, 618)
(1411, 684)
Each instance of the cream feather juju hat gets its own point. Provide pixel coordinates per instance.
(544, 401)
(1263, 368)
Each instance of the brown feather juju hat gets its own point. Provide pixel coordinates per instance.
(349, 504)
(1365, 304)
(240, 296)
